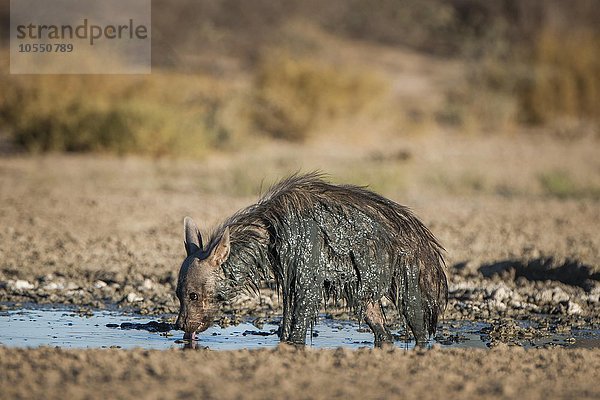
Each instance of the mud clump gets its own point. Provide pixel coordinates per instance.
(152, 326)
(510, 332)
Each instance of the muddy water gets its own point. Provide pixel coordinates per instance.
(48, 326)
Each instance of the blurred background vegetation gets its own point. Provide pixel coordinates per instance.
(230, 72)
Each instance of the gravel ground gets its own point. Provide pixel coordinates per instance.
(100, 232)
(94, 231)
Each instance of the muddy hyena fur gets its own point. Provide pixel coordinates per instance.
(317, 241)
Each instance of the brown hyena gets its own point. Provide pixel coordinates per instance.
(317, 241)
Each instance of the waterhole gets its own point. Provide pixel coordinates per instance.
(68, 328)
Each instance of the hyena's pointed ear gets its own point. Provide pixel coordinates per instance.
(221, 251)
(192, 238)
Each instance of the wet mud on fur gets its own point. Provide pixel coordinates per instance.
(317, 241)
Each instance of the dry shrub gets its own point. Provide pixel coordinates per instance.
(293, 95)
(158, 115)
(534, 62)
(565, 77)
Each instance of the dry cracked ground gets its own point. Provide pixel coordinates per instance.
(518, 216)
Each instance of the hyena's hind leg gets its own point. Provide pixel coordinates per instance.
(376, 320)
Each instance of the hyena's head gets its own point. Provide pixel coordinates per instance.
(197, 286)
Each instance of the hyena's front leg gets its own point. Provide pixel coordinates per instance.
(376, 320)
(300, 308)
(304, 312)
(304, 287)
(286, 322)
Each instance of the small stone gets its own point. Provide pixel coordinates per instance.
(133, 297)
(497, 305)
(501, 294)
(594, 295)
(53, 286)
(100, 284)
(21, 284)
(545, 296)
(147, 285)
(573, 308)
(594, 298)
(559, 295)
(555, 295)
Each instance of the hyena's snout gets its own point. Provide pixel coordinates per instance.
(196, 322)
(183, 321)
(183, 324)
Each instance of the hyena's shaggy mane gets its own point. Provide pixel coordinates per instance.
(258, 232)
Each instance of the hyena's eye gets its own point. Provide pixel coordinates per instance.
(193, 296)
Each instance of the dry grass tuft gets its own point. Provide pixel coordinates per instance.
(291, 96)
(565, 77)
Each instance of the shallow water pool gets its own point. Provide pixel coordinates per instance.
(62, 327)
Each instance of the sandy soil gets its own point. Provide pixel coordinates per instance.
(98, 231)
(300, 374)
